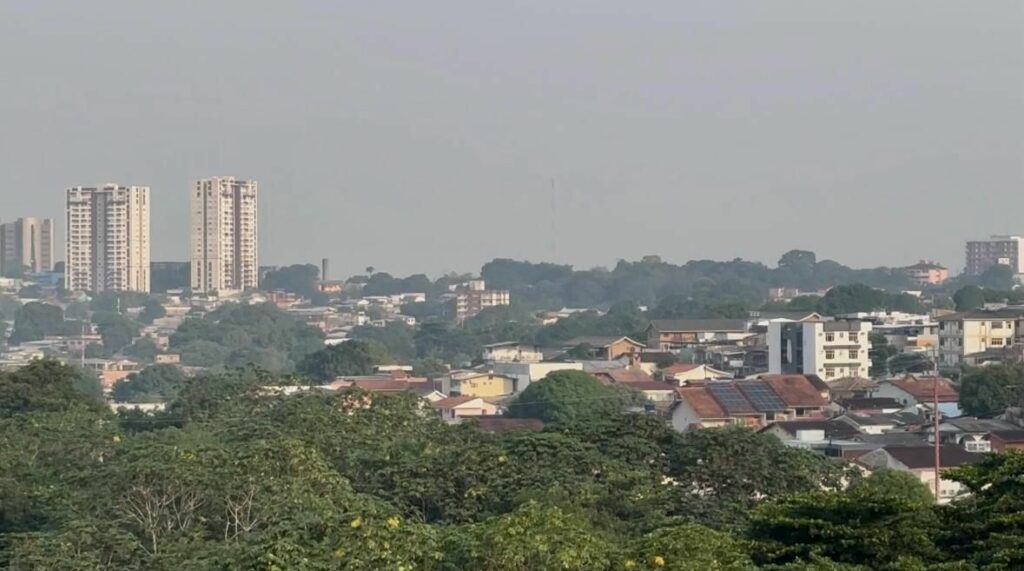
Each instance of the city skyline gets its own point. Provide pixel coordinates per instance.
(698, 131)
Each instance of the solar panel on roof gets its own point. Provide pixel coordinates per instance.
(730, 398)
(762, 396)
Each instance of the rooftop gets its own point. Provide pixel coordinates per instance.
(697, 325)
(923, 457)
(924, 388)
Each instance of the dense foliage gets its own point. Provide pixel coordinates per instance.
(237, 335)
(234, 477)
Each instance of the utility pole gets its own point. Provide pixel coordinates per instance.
(935, 421)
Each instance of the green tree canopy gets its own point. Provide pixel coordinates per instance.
(988, 391)
(36, 320)
(344, 359)
(564, 397)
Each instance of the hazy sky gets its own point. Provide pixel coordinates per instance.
(422, 136)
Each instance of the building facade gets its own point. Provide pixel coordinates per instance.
(998, 250)
(926, 273)
(829, 349)
(964, 334)
(473, 297)
(107, 246)
(26, 245)
(224, 235)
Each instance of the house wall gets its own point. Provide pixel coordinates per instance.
(484, 386)
(958, 338)
(526, 373)
(620, 348)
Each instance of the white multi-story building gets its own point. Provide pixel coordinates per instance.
(224, 235)
(107, 247)
(962, 335)
(998, 250)
(829, 349)
(26, 245)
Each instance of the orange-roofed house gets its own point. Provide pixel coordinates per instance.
(754, 403)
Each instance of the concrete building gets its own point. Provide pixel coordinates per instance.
(107, 245)
(26, 245)
(829, 349)
(927, 273)
(962, 335)
(224, 235)
(473, 297)
(998, 250)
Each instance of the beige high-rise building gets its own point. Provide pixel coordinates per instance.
(107, 239)
(224, 235)
(26, 245)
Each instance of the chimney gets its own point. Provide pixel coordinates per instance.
(323, 269)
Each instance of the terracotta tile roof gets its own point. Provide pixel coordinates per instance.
(922, 388)
(701, 401)
(452, 402)
(381, 385)
(795, 390)
(679, 368)
(650, 385)
(498, 423)
(1009, 436)
(624, 376)
(923, 457)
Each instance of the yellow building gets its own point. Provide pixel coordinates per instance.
(484, 385)
(969, 333)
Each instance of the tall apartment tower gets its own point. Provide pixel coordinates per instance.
(224, 235)
(998, 250)
(26, 245)
(107, 239)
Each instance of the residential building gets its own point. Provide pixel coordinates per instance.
(828, 349)
(454, 409)
(481, 384)
(1005, 440)
(513, 352)
(670, 334)
(526, 373)
(969, 333)
(224, 235)
(608, 348)
(683, 373)
(998, 250)
(26, 246)
(971, 434)
(810, 430)
(473, 297)
(752, 402)
(916, 391)
(107, 246)
(926, 273)
(920, 461)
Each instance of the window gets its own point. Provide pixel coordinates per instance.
(830, 337)
(829, 373)
(977, 446)
(853, 353)
(997, 341)
(997, 325)
(830, 354)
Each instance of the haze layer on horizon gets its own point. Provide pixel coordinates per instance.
(434, 136)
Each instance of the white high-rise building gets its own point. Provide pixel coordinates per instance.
(26, 245)
(224, 235)
(107, 246)
(829, 349)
